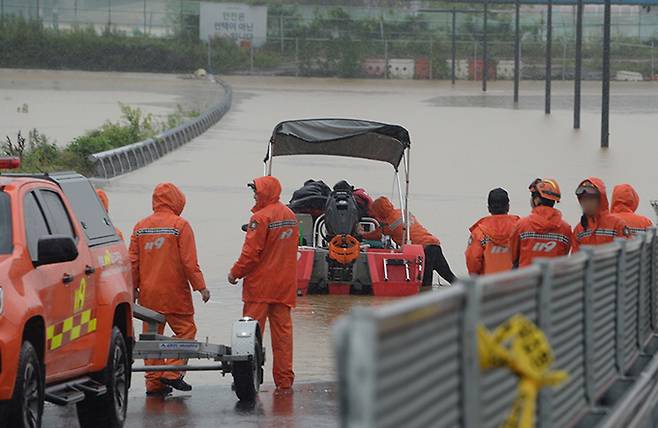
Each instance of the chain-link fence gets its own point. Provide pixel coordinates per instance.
(308, 40)
(432, 59)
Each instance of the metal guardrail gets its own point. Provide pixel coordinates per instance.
(115, 162)
(415, 363)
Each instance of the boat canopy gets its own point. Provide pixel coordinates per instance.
(340, 137)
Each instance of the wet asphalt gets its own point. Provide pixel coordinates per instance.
(308, 405)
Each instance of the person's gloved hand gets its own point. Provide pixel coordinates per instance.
(205, 294)
(232, 280)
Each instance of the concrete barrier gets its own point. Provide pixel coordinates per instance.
(415, 363)
(119, 161)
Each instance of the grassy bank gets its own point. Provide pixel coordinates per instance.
(39, 154)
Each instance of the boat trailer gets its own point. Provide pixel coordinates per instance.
(244, 359)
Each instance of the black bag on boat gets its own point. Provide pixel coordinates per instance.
(310, 198)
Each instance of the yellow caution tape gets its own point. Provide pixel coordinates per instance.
(521, 346)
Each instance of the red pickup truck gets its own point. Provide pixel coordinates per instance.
(65, 302)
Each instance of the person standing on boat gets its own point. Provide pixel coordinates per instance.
(268, 264)
(392, 224)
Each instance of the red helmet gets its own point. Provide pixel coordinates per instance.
(547, 188)
(363, 199)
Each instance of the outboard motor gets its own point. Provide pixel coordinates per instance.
(341, 222)
(341, 212)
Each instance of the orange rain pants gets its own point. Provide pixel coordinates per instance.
(281, 332)
(184, 328)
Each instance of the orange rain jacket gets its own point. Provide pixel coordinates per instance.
(489, 248)
(163, 255)
(390, 220)
(106, 204)
(625, 201)
(542, 234)
(602, 228)
(268, 262)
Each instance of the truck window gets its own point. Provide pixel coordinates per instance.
(5, 224)
(35, 224)
(59, 221)
(88, 209)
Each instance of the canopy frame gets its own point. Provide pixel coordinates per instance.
(404, 161)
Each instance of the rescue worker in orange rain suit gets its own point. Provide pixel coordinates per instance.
(543, 233)
(597, 226)
(164, 265)
(391, 224)
(268, 264)
(106, 204)
(625, 201)
(489, 249)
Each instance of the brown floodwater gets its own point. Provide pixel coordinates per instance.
(64, 105)
(463, 144)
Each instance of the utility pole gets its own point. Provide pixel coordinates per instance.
(653, 60)
(454, 43)
(182, 22)
(485, 53)
(281, 32)
(209, 55)
(517, 49)
(549, 56)
(579, 59)
(605, 98)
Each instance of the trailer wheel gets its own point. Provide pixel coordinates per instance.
(248, 375)
(109, 410)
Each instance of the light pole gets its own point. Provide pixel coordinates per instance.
(605, 97)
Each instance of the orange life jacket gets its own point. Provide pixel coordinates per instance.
(602, 228)
(489, 246)
(542, 234)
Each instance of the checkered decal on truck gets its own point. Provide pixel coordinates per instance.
(70, 329)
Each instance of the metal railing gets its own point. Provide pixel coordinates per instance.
(415, 363)
(115, 162)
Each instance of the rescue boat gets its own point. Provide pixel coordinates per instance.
(332, 259)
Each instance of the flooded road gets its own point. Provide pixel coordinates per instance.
(65, 104)
(463, 144)
(458, 155)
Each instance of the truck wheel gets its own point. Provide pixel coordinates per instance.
(4, 412)
(109, 410)
(248, 375)
(27, 407)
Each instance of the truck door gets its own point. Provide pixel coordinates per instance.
(66, 287)
(80, 326)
